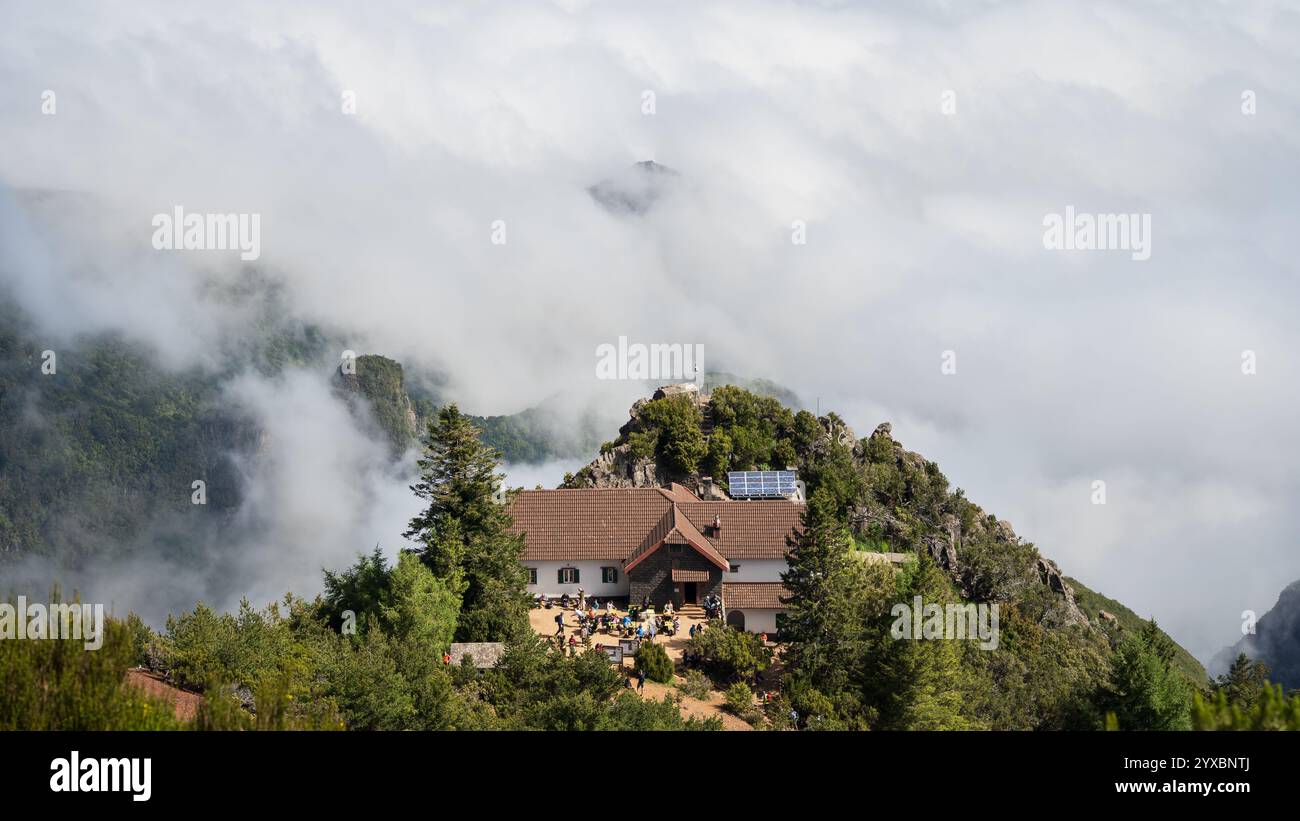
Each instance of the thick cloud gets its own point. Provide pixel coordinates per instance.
(924, 229)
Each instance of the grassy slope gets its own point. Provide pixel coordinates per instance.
(1091, 601)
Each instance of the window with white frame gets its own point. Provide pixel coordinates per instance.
(609, 575)
(568, 575)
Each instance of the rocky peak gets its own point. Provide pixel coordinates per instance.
(381, 383)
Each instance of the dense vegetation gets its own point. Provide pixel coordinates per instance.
(368, 653)
(845, 671)
(99, 448)
(1058, 664)
(105, 445)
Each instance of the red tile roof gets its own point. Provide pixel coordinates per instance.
(680, 575)
(753, 595)
(750, 530)
(629, 523)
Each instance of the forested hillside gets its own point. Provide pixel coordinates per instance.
(99, 457)
(369, 652)
(1061, 665)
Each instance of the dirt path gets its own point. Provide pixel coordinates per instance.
(694, 707)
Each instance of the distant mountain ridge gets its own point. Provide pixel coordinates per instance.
(1276, 641)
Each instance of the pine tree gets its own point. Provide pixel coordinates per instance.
(922, 684)
(1145, 691)
(466, 530)
(821, 622)
(1244, 682)
(359, 589)
(418, 606)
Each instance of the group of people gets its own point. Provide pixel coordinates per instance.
(579, 602)
(639, 624)
(713, 604)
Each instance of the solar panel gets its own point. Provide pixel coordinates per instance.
(761, 484)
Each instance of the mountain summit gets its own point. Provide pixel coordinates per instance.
(635, 190)
(1276, 641)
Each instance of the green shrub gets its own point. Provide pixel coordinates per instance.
(676, 420)
(628, 712)
(653, 659)
(1271, 711)
(730, 654)
(777, 712)
(696, 685)
(740, 699)
(57, 684)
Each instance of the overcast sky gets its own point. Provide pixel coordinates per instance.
(921, 146)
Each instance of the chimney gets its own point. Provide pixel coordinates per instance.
(707, 481)
(717, 525)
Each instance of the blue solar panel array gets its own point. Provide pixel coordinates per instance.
(761, 484)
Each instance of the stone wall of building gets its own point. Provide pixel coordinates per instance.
(653, 576)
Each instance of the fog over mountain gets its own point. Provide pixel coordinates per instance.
(924, 235)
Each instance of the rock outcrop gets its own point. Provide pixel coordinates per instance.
(617, 467)
(1067, 610)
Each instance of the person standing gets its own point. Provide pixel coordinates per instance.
(640, 680)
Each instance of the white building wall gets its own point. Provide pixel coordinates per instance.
(757, 570)
(589, 576)
(759, 621)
